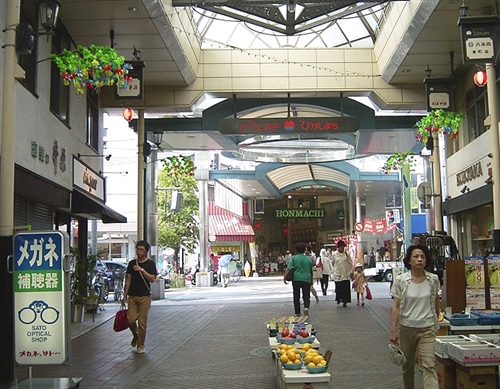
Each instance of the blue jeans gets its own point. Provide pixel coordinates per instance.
(306, 294)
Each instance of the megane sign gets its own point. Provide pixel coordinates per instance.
(314, 125)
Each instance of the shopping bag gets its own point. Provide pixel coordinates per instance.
(121, 320)
(368, 292)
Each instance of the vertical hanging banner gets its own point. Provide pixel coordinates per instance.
(40, 298)
(474, 283)
(494, 275)
(405, 172)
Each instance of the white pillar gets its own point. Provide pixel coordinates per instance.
(495, 150)
(436, 181)
(141, 167)
(7, 165)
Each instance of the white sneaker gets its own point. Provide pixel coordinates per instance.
(306, 312)
(141, 350)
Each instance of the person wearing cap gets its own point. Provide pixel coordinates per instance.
(342, 274)
(359, 282)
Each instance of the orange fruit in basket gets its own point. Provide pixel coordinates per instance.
(316, 359)
(281, 352)
(297, 361)
(284, 358)
(306, 346)
(308, 358)
(291, 354)
(311, 364)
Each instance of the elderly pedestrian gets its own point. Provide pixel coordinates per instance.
(342, 274)
(327, 270)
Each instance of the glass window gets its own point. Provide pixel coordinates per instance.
(93, 120)
(476, 112)
(59, 93)
(28, 61)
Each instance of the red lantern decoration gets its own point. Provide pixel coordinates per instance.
(480, 78)
(128, 114)
(256, 226)
(285, 231)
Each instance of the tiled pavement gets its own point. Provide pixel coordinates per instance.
(216, 338)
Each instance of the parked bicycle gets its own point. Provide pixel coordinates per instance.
(119, 285)
(237, 272)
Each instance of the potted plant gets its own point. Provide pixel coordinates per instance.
(441, 122)
(92, 67)
(397, 160)
(81, 282)
(78, 289)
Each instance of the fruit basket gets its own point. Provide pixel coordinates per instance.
(487, 317)
(306, 340)
(291, 366)
(285, 340)
(317, 369)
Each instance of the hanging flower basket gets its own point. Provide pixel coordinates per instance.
(440, 121)
(397, 161)
(92, 67)
(179, 166)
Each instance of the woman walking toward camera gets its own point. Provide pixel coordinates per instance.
(415, 311)
(342, 274)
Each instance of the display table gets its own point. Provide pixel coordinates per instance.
(298, 379)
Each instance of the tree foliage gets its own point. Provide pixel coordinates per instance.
(178, 228)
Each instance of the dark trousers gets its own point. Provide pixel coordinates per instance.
(306, 295)
(324, 283)
(343, 291)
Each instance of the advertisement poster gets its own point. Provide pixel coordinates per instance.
(493, 269)
(474, 283)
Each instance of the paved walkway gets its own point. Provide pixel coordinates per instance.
(216, 338)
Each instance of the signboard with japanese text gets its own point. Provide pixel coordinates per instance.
(494, 275)
(474, 283)
(478, 35)
(271, 126)
(40, 297)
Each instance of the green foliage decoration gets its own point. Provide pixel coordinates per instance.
(441, 122)
(181, 228)
(397, 160)
(92, 67)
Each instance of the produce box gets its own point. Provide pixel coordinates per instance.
(490, 338)
(445, 370)
(482, 352)
(463, 319)
(487, 316)
(467, 381)
(442, 343)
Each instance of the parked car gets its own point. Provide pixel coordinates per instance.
(113, 270)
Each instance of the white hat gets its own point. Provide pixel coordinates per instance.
(358, 265)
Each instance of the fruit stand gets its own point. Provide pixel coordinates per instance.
(295, 348)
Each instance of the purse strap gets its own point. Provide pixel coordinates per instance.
(145, 282)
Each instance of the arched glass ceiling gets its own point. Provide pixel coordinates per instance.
(315, 25)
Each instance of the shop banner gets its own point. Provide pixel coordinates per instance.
(378, 226)
(493, 274)
(474, 283)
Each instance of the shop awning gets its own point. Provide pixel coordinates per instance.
(91, 208)
(226, 228)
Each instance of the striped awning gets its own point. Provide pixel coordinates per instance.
(226, 228)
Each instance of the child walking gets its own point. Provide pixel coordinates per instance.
(359, 282)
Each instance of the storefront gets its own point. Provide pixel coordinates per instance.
(470, 198)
